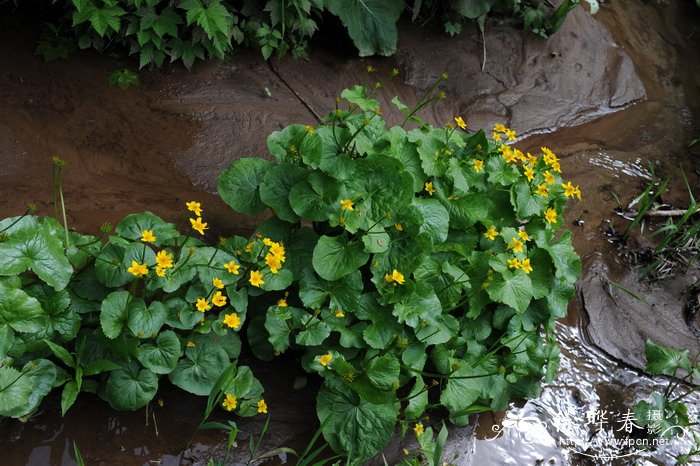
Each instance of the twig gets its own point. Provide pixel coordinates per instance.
(667, 213)
(308, 107)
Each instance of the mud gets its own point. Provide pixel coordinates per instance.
(155, 146)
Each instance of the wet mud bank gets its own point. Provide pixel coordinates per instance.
(612, 95)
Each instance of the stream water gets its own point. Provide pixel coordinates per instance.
(195, 121)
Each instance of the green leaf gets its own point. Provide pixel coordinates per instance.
(239, 184)
(351, 425)
(436, 219)
(383, 372)
(407, 154)
(130, 387)
(198, 371)
(422, 306)
(61, 353)
(106, 18)
(314, 332)
(566, 262)
(343, 293)
(68, 396)
(380, 188)
(513, 289)
(277, 183)
(146, 322)
(109, 265)
(21, 312)
(460, 394)
(293, 142)
(132, 227)
(315, 198)
(213, 18)
(336, 257)
(161, 358)
(116, 310)
(526, 202)
(384, 326)
(665, 361)
(35, 248)
(473, 9)
(279, 328)
(370, 23)
(100, 365)
(417, 400)
(21, 391)
(358, 95)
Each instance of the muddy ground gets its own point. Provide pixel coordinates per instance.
(609, 94)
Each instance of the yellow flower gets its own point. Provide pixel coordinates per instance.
(523, 234)
(278, 250)
(542, 190)
(508, 153)
(461, 122)
(160, 271)
(525, 265)
(164, 260)
(577, 193)
(232, 320)
(429, 188)
(491, 233)
(551, 216)
(309, 129)
(396, 277)
(325, 359)
(549, 178)
(138, 269)
(496, 136)
(370, 69)
(218, 283)
(190, 344)
(147, 236)
(232, 267)
(256, 278)
(529, 173)
(549, 156)
(230, 402)
(418, 428)
(338, 313)
(249, 247)
(273, 262)
(346, 204)
(262, 407)
(195, 207)
(556, 167)
(569, 189)
(282, 303)
(268, 242)
(510, 134)
(218, 299)
(198, 225)
(521, 157)
(203, 305)
(531, 159)
(398, 227)
(514, 263)
(516, 245)
(499, 128)
(478, 165)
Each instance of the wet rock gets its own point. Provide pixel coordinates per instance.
(619, 322)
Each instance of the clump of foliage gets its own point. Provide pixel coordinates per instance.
(123, 78)
(666, 414)
(437, 271)
(160, 31)
(119, 312)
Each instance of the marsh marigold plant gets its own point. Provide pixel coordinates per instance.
(417, 254)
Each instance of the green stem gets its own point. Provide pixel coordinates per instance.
(63, 205)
